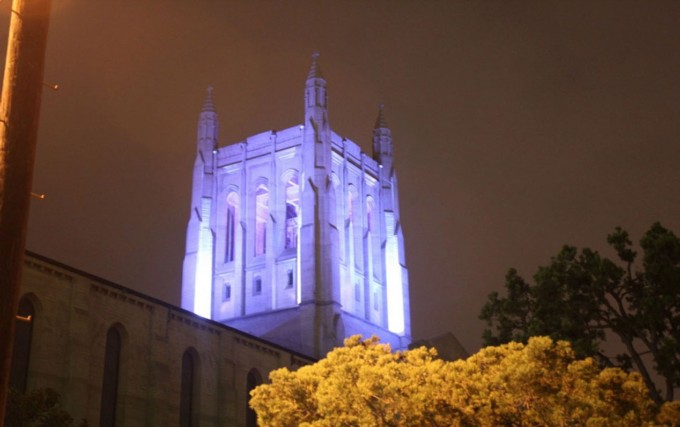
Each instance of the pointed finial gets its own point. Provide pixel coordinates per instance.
(315, 70)
(381, 122)
(208, 104)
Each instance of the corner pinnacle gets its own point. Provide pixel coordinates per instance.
(381, 122)
(208, 104)
(315, 70)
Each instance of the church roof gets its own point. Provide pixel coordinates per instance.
(447, 345)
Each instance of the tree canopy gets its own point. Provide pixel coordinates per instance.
(583, 297)
(538, 383)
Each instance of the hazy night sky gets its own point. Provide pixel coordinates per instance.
(518, 127)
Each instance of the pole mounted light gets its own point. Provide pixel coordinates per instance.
(19, 116)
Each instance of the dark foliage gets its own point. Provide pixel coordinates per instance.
(584, 297)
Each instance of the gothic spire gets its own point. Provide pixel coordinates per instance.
(315, 70)
(208, 104)
(382, 140)
(381, 122)
(208, 126)
(315, 93)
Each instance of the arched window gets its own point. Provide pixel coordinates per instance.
(226, 292)
(23, 336)
(373, 237)
(370, 205)
(351, 202)
(257, 285)
(254, 379)
(350, 234)
(232, 209)
(188, 389)
(292, 209)
(261, 216)
(107, 414)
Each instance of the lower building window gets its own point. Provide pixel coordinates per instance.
(257, 285)
(226, 295)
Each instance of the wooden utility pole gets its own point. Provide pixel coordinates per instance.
(19, 114)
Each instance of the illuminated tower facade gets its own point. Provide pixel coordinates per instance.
(294, 235)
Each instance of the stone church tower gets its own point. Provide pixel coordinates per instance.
(294, 235)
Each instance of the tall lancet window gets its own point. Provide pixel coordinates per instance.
(261, 216)
(109, 401)
(252, 380)
(232, 209)
(351, 202)
(188, 389)
(292, 210)
(349, 224)
(370, 206)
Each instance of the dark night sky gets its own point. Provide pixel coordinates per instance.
(518, 127)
